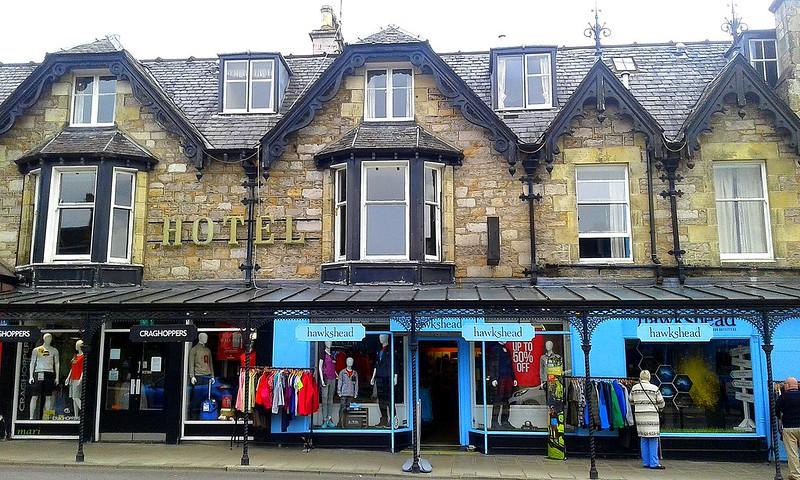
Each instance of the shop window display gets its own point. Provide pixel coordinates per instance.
(212, 374)
(515, 380)
(356, 379)
(49, 379)
(708, 387)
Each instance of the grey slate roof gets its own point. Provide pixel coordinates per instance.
(89, 141)
(666, 84)
(717, 294)
(389, 136)
(390, 34)
(100, 45)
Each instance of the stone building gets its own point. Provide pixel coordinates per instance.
(380, 182)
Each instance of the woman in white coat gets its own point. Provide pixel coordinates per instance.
(647, 405)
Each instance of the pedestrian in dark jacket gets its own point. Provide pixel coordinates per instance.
(787, 408)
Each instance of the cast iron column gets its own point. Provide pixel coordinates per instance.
(586, 346)
(89, 330)
(414, 348)
(247, 348)
(773, 419)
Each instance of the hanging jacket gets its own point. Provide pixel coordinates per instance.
(278, 397)
(602, 406)
(616, 412)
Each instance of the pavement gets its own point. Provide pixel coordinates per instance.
(322, 463)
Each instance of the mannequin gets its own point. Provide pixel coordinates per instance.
(381, 378)
(347, 388)
(501, 376)
(201, 362)
(326, 369)
(253, 338)
(550, 363)
(75, 377)
(44, 375)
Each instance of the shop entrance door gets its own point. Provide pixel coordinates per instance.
(133, 393)
(438, 392)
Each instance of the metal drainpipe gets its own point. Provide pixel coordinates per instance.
(250, 202)
(651, 210)
(672, 177)
(530, 197)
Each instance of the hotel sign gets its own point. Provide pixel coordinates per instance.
(500, 332)
(204, 230)
(664, 332)
(333, 332)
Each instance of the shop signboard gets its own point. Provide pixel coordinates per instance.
(500, 332)
(440, 325)
(12, 334)
(676, 332)
(338, 332)
(163, 333)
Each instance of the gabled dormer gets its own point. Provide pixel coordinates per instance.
(760, 48)
(523, 78)
(252, 82)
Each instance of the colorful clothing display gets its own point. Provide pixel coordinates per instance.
(290, 391)
(610, 402)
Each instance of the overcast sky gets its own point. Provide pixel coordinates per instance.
(180, 28)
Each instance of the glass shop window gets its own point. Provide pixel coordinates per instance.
(355, 383)
(515, 380)
(48, 387)
(707, 387)
(212, 374)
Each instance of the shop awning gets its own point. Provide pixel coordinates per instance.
(196, 296)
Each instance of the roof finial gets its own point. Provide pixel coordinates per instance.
(734, 25)
(597, 31)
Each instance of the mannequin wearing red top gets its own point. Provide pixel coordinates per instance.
(75, 377)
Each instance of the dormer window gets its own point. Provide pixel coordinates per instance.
(390, 94)
(764, 58)
(249, 86)
(524, 81)
(94, 100)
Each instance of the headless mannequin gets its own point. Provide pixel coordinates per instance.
(75, 377)
(200, 360)
(252, 353)
(549, 360)
(347, 388)
(44, 375)
(382, 380)
(326, 369)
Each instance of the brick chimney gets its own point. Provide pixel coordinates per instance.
(328, 37)
(787, 34)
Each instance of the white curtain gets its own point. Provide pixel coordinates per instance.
(740, 210)
(501, 82)
(544, 67)
(617, 222)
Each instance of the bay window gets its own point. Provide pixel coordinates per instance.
(524, 81)
(340, 212)
(604, 231)
(433, 211)
(742, 211)
(119, 249)
(94, 100)
(389, 94)
(385, 210)
(72, 213)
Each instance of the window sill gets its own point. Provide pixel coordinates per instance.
(524, 109)
(360, 272)
(747, 260)
(91, 125)
(247, 112)
(606, 261)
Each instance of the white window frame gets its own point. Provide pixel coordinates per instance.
(95, 99)
(35, 175)
(626, 202)
(54, 214)
(760, 44)
(769, 255)
(364, 203)
(389, 93)
(132, 173)
(248, 101)
(525, 76)
(337, 205)
(438, 203)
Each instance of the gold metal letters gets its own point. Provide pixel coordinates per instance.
(264, 232)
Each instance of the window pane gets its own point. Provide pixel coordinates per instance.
(341, 182)
(741, 181)
(538, 64)
(769, 49)
(105, 108)
(386, 183)
(771, 73)
(601, 173)
(601, 191)
(74, 231)
(119, 233)
(742, 227)
(431, 182)
(756, 52)
(84, 85)
(108, 85)
(261, 95)
(376, 103)
(82, 109)
(760, 67)
(509, 82)
(236, 70)
(235, 95)
(342, 230)
(431, 230)
(262, 69)
(123, 189)
(77, 187)
(401, 107)
(401, 78)
(376, 79)
(537, 91)
(386, 230)
(618, 247)
(602, 218)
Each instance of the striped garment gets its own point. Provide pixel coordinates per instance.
(646, 410)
